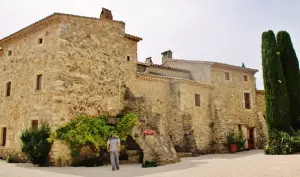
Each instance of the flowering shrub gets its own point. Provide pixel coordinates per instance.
(149, 132)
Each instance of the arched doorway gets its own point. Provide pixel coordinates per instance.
(132, 153)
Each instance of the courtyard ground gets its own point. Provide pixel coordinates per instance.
(245, 164)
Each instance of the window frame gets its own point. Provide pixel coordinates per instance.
(250, 100)
(39, 82)
(9, 53)
(40, 41)
(35, 124)
(245, 76)
(6, 89)
(3, 136)
(197, 99)
(229, 76)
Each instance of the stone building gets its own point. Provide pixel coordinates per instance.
(65, 65)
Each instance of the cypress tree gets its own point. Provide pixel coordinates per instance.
(276, 95)
(243, 65)
(290, 66)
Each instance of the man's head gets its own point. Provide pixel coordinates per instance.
(114, 135)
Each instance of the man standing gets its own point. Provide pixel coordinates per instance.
(113, 147)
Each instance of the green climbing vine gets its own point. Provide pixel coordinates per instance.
(93, 132)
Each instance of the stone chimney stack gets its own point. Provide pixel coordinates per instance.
(149, 61)
(106, 14)
(167, 55)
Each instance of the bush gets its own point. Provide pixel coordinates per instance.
(89, 162)
(239, 140)
(282, 143)
(36, 146)
(15, 158)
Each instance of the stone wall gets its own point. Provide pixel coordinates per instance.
(172, 104)
(229, 106)
(25, 104)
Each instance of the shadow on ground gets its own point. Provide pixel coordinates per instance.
(135, 170)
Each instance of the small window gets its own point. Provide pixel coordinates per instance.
(8, 89)
(9, 53)
(245, 77)
(227, 76)
(247, 100)
(197, 100)
(34, 124)
(40, 40)
(3, 134)
(128, 58)
(39, 82)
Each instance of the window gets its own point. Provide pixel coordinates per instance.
(128, 58)
(197, 100)
(40, 40)
(227, 76)
(245, 77)
(39, 82)
(9, 53)
(34, 124)
(3, 136)
(247, 100)
(8, 89)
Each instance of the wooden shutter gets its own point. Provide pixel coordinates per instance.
(247, 100)
(227, 77)
(4, 136)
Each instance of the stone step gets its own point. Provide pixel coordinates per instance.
(184, 154)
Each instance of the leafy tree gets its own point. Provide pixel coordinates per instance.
(290, 66)
(36, 146)
(276, 96)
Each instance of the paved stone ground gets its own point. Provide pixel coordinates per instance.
(245, 164)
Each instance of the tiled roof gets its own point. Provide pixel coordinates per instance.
(135, 38)
(163, 67)
(37, 23)
(260, 92)
(212, 64)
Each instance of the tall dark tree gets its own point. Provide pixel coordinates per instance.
(276, 95)
(290, 66)
(243, 65)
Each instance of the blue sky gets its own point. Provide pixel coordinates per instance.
(218, 30)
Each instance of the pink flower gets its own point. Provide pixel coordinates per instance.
(149, 132)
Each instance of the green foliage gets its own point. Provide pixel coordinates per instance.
(148, 164)
(243, 65)
(282, 143)
(85, 131)
(125, 125)
(94, 132)
(36, 146)
(290, 66)
(276, 95)
(89, 162)
(238, 139)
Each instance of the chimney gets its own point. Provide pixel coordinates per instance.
(166, 56)
(106, 14)
(149, 61)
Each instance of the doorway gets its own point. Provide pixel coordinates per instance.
(251, 138)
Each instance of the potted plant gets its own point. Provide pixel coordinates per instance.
(232, 142)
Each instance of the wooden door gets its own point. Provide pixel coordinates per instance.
(251, 139)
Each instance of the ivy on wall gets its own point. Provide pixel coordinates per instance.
(93, 132)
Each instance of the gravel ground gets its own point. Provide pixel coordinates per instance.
(245, 164)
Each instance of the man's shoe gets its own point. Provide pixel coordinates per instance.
(113, 169)
(118, 168)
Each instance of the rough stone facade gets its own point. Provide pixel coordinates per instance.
(88, 64)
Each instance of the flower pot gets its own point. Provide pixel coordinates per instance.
(233, 148)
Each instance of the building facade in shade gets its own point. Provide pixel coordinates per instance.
(65, 65)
